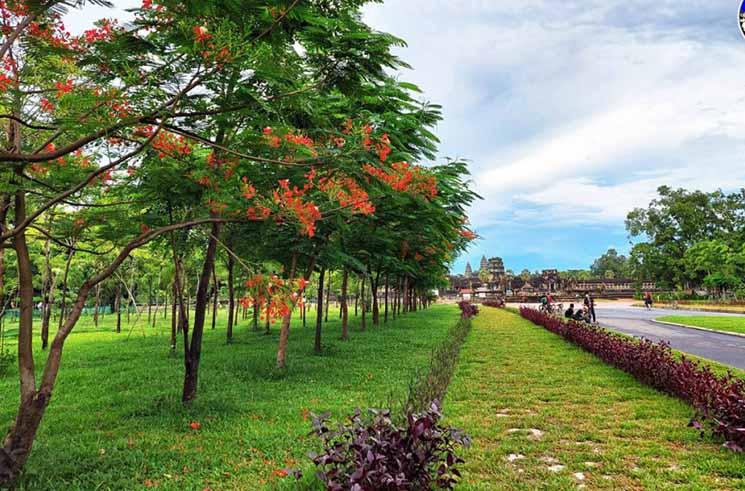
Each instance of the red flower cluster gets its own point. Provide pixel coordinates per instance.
(63, 88)
(408, 178)
(384, 147)
(104, 31)
(170, 145)
(201, 34)
(290, 201)
(275, 295)
(467, 234)
(46, 105)
(348, 193)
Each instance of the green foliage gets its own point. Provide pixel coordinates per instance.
(686, 235)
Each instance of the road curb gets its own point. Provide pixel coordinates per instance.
(736, 334)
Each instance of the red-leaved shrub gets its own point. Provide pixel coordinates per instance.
(375, 454)
(497, 304)
(467, 309)
(719, 401)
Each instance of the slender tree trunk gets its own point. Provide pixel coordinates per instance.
(192, 357)
(284, 331)
(267, 320)
(405, 293)
(63, 306)
(174, 316)
(374, 279)
(385, 309)
(118, 307)
(231, 297)
(363, 305)
(344, 307)
(97, 305)
(215, 299)
(328, 298)
(45, 292)
(149, 299)
(356, 299)
(319, 312)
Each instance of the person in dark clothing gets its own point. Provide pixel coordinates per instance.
(591, 310)
(648, 300)
(579, 315)
(570, 311)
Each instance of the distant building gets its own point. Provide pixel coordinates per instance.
(494, 282)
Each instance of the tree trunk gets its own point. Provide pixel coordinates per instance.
(174, 315)
(118, 307)
(97, 305)
(215, 299)
(193, 355)
(343, 307)
(319, 312)
(65, 276)
(405, 293)
(19, 440)
(284, 331)
(231, 297)
(363, 306)
(328, 298)
(267, 320)
(385, 309)
(46, 287)
(374, 279)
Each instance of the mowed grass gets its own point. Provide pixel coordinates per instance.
(717, 323)
(599, 428)
(116, 420)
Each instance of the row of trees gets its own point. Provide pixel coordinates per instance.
(262, 139)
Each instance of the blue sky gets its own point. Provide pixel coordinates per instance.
(572, 112)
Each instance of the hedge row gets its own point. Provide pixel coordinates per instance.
(719, 401)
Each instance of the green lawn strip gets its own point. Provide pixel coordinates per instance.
(716, 323)
(116, 421)
(594, 419)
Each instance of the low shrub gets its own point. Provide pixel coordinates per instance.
(719, 401)
(498, 304)
(373, 453)
(467, 309)
(431, 385)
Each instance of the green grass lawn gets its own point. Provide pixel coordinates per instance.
(717, 323)
(593, 419)
(116, 421)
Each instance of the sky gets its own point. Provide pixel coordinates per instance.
(574, 112)
(571, 113)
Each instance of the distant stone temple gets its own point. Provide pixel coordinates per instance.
(492, 280)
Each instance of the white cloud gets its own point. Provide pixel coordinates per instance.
(577, 111)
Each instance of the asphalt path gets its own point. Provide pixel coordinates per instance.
(635, 321)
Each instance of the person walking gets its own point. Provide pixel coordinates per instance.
(591, 309)
(648, 300)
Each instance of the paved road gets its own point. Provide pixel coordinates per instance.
(636, 321)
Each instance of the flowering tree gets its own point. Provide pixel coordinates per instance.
(274, 120)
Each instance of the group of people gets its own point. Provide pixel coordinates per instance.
(586, 313)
